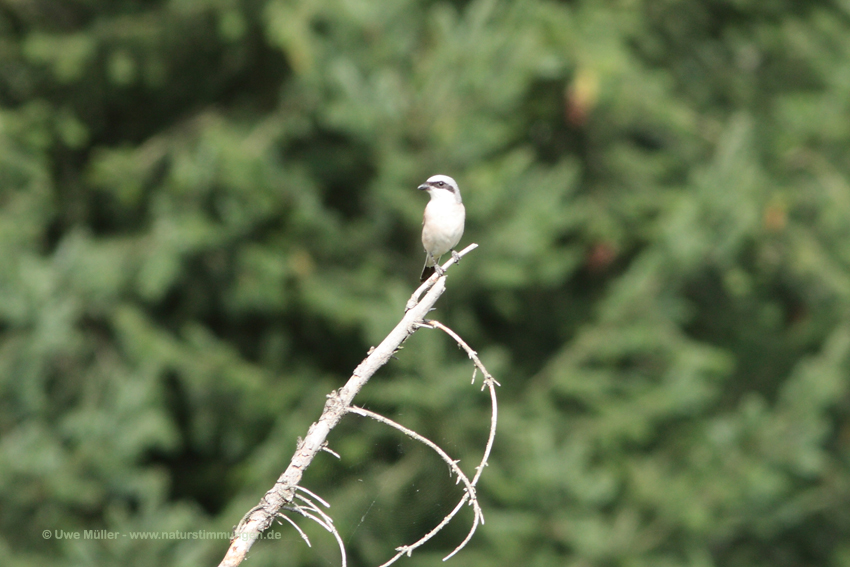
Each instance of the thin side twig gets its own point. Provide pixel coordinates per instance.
(314, 496)
(294, 525)
(408, 549)
(473, 355)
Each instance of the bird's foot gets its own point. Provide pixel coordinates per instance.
(456, 256)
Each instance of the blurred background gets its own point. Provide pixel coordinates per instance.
(208, 214)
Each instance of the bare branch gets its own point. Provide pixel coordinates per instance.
(261, 516)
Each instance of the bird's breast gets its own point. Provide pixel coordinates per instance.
(442, 226)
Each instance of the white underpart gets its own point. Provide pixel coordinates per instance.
(443, 223)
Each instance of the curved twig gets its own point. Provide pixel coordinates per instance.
(294, 525)
(314, 496)
(408, 549)
(489, 382)
(421, 438)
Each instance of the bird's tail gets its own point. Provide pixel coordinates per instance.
(429, 268)
(427, 272)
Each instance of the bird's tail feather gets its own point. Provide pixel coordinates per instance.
(427, 272)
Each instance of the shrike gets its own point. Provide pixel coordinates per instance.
(442, 225)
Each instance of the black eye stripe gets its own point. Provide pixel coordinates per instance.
(440, 184)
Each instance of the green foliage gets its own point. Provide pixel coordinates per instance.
(208, 215)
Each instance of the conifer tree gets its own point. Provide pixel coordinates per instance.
(208, 215)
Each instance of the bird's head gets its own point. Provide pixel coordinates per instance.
(441, 187)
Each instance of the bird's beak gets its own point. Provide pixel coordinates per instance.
(424, 187)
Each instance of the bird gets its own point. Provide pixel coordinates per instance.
(442, 224)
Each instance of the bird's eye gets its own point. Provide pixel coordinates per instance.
(440, 184)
